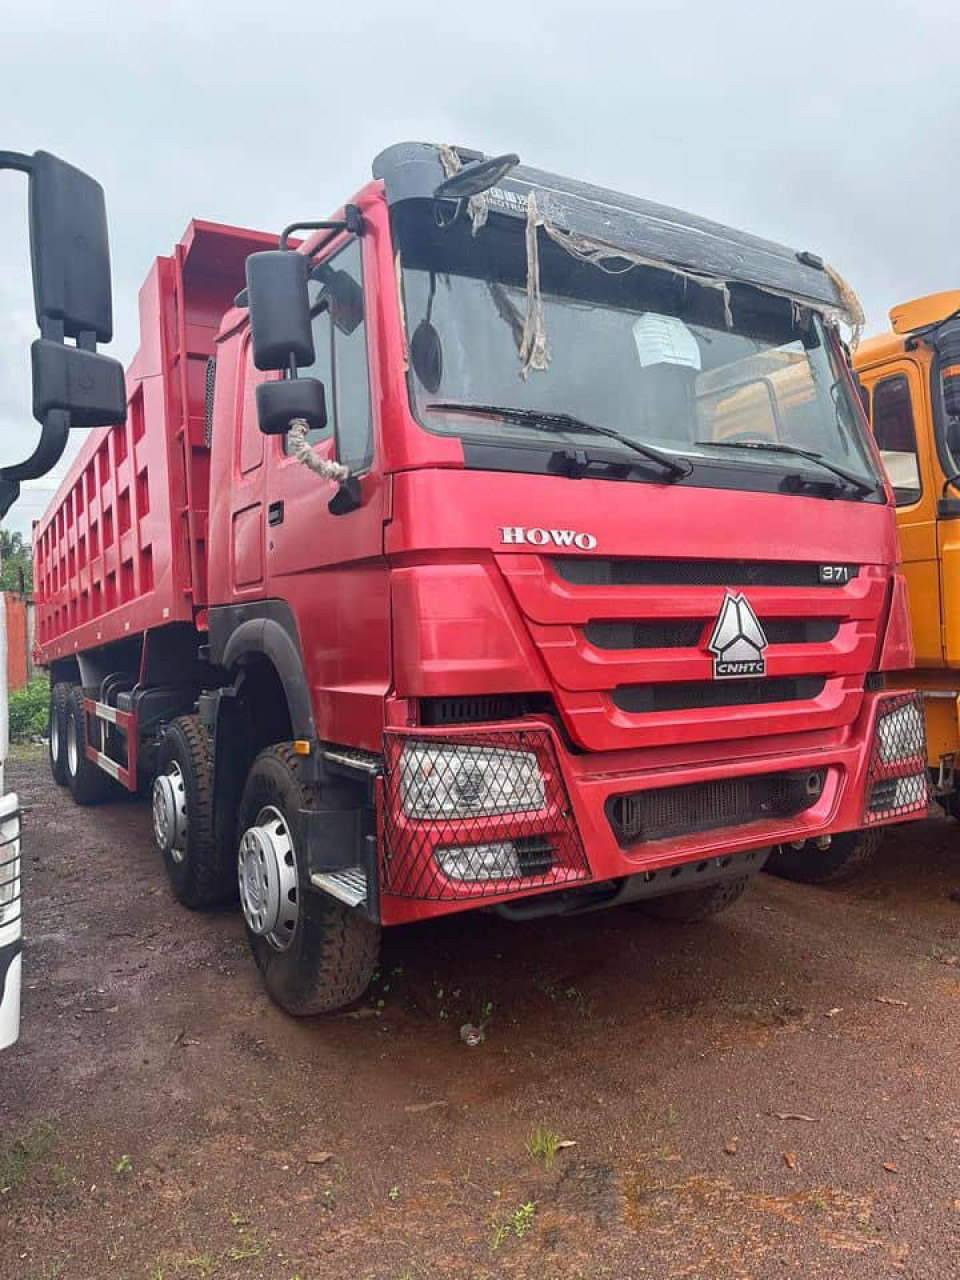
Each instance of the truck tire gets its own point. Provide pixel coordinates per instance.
(57, 732)
(316, 954)
(694, 905)
(199, 866)
(845, 856)
(87, 782)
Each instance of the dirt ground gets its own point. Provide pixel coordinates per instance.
(773, 1093)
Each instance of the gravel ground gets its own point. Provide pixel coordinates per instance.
(772, 1093)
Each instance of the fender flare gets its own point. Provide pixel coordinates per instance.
(239, 631)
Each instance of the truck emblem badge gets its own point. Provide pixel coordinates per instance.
(513, 534)
(738, 644)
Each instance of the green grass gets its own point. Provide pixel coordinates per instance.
(543, 1144)
(20, 1158)
(28, 710)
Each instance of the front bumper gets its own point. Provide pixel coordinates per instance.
(573, 840)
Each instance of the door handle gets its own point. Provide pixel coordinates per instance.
(275, 513)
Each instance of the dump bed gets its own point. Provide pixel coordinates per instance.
(122, 546)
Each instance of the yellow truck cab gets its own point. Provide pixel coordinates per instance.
(910, 382)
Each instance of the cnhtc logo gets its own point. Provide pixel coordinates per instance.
(738, 644)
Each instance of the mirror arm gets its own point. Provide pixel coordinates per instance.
(53, 440)
(352, 222)
(16, 160)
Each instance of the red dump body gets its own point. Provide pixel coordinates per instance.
(123, 546)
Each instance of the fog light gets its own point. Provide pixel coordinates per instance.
(899, 794)
(450, 781)
(495, 861)
(900, 733)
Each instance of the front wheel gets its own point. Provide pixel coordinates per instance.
(843, 857)
(694, 905)
(316, 955)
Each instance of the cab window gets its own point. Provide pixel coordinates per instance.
(340, 346)
(895, 433)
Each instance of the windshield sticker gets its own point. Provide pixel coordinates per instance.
(665, 340)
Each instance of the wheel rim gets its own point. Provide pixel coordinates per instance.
(55, 734)
(170, 823)
(267, 874)
(73, 747)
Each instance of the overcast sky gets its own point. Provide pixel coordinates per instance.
(829, 126)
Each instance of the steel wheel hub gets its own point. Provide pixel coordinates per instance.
(267, 871)
(55, 734)
(170, 828)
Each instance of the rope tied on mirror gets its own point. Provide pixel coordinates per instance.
(299, 447)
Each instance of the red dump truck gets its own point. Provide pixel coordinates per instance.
(503, 542)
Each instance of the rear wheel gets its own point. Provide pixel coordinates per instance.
(316, 954)
(844, 856)
(694, 905)
(57, 732)
(198, 865)
(87, 782)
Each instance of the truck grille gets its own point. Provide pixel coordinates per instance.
(590, 572)
(642, 699)
(702, 806)
(689, 634)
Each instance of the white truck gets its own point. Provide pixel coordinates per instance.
(73, 386)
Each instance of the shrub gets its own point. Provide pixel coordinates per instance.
(28, 710)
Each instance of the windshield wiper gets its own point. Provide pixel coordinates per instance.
(776, 446)
(675, 468)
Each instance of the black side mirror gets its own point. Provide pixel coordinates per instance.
(70, 249)
(88, 386)
(279, 402)
(73, 386)
(279, 310)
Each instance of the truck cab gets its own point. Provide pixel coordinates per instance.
(909, 380)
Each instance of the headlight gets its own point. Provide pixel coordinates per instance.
(10, 863)
(450, 781)
(900, 733)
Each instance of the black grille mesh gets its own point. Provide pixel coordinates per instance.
(528, 835)
(645, 699)
(689, 634)
(897, 783)
(587, 571)
(211, 376)
(702, 806)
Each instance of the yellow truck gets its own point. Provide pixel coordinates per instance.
(910, 380)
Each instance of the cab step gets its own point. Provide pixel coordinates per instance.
(348, 886)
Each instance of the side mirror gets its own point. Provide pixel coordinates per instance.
(88, 386)
(279, 402)
(70, 250)
(73, 386)
(279, 309)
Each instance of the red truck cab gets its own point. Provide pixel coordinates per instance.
(573, 585)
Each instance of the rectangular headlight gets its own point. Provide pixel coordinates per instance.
(900, 733)
(451, 781)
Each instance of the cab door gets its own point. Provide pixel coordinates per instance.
(330, 568)
(898, 410)
(246, 559)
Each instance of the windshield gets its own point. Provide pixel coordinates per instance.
(724, 383)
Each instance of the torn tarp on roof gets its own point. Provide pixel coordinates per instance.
(643, 229)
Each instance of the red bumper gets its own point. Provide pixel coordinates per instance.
(581, 816)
